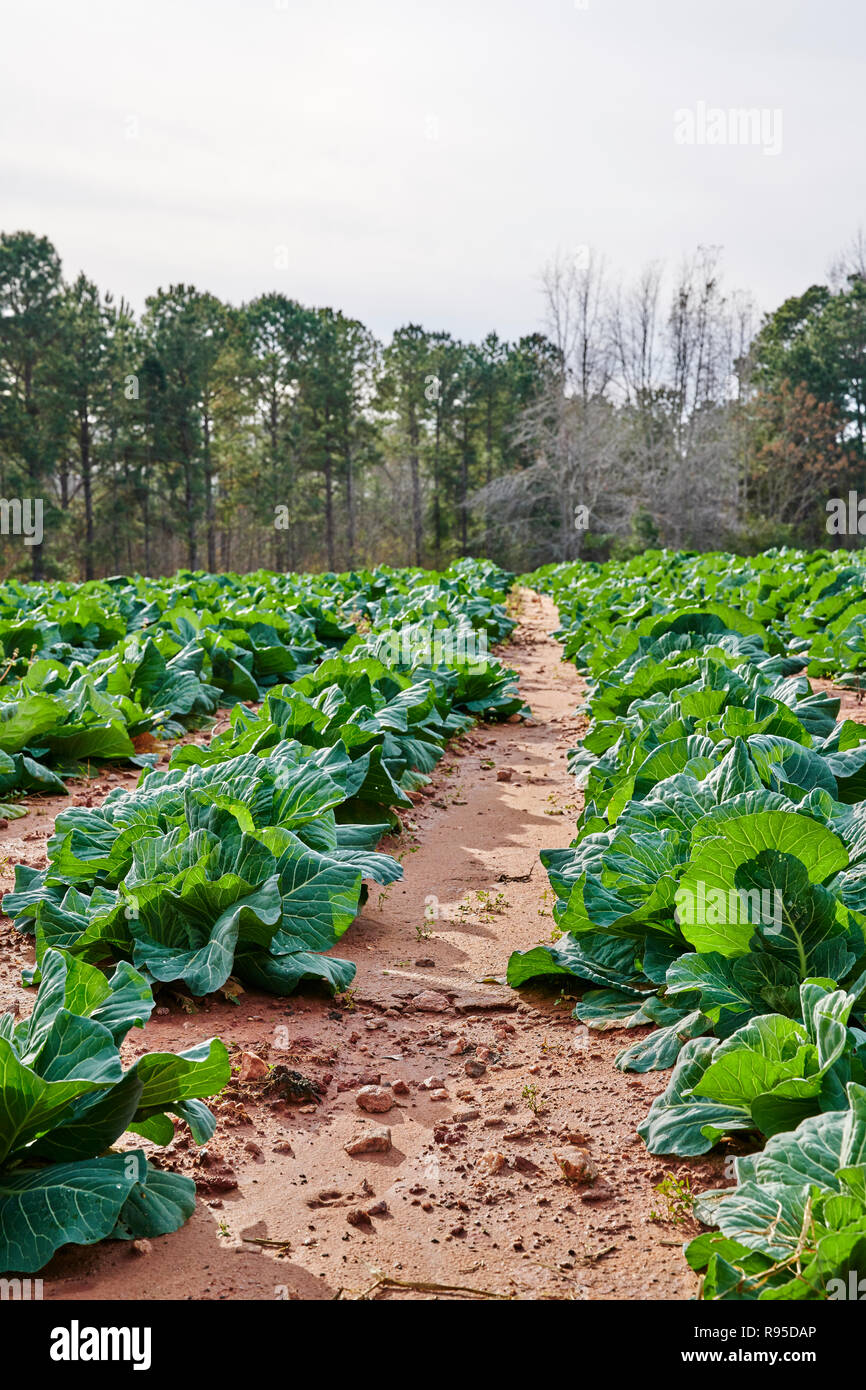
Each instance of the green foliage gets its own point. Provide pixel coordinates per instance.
(268, 432)
(89, 667)
(794, 1227)
(716, 886)
(66, 1100)
(248, 858)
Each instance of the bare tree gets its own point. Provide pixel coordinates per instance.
(645, 415)
(577, 481)
(635, 329)
(850, 262)
(578, 321)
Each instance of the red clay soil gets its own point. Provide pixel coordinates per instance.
(852, 704)
(500, 1106)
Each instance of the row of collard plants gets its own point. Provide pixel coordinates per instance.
(717, 888)
(86, 669)
(243, 860)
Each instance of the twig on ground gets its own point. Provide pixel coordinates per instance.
(515, 878)
(385, 1281)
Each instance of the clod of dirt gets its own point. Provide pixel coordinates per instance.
(252, 1068)
(580, 1169)
(429, 1002)
(357, 1217)
(503, 774)
(492, 1162)
(224, 1180)
(291, 1086)
(231, 1112)
(376, 1099)
(370, 1141)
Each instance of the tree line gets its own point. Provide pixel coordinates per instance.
(207, 435)
(663, 410)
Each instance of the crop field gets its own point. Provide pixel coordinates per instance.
(401, 934)
(716, 890)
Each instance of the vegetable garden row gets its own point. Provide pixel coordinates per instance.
(246, 858)
(717, 888)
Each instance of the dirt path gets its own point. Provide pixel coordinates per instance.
(492, 1090)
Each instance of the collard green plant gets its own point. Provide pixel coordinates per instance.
(66, 1100)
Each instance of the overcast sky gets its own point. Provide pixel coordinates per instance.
(411, 162)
